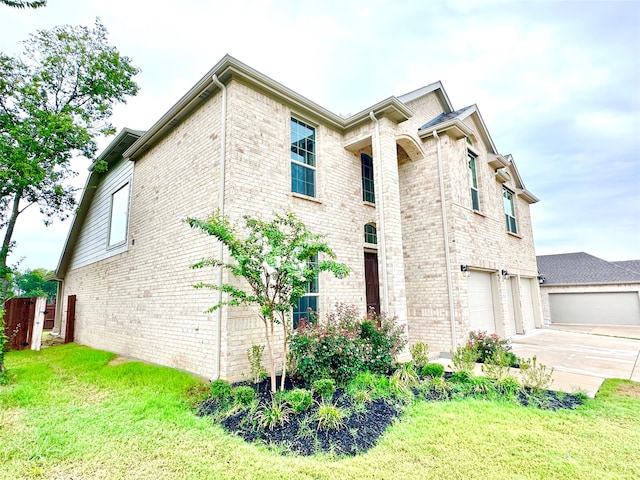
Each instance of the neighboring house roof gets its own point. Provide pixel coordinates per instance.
(582, 268)
(111, 155)
(633, 265)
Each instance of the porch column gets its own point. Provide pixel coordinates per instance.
(389, 222)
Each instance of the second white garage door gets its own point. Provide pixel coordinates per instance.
(481, 311)
(606, 308)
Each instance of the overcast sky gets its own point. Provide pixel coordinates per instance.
(557, 83)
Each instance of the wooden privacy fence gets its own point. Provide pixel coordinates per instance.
(25, 319)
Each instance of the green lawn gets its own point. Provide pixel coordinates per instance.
(70, 415)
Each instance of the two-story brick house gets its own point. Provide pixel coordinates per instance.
(411, 194)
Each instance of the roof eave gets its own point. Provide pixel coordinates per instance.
(527, 196)
(454, 127)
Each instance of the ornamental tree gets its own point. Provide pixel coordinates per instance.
(275, 259)
(55, 100)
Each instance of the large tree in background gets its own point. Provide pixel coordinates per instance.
(24, 3)
(34, 283)
(54, 101)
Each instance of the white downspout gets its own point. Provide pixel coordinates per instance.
(223, 151)
(447, 253)
(380, 201)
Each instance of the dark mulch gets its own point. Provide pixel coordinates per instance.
(361, 430)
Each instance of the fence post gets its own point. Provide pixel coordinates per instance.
(38, 323)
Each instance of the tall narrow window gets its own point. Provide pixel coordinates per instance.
(310, 299)
(370, 233)
(303, 158)
(473, 182)
(119, 216)
(509, 211)
(368, 194)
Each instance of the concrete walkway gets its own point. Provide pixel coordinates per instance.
(583, 356)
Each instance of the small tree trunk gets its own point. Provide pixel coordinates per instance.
(272, 361)
(285, 351)
(6, 245)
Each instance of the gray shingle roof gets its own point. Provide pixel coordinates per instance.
(633, 265)
(583, 268)
(443, 117)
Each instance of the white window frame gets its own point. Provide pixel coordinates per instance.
(119, 213)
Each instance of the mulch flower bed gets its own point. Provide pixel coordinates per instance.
(360, 430)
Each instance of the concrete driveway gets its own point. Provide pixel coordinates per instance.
(583, 356)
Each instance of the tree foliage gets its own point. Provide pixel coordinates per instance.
(275, 259)
(34, 283)
(55, 100)
(24, 3)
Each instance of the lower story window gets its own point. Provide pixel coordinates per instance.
(309, 301)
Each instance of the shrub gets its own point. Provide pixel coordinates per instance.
(243, 396)
(330, 417)
(325, 388)
(461, 376)
(432, 370)
(376, 385)
(220, 390)
(273, 414)
(486, 345)
(254, 355)
(465, 358)
(535, 375)
(419, 355)
(299, 399)
(497, 366)
(404, 377)
(345, 345)
(508, 386)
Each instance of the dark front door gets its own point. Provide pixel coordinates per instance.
(71, 319)
(371, 281)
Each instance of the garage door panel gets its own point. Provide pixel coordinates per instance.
(604, 308)
(481, 311)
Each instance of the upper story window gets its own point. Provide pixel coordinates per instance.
(509, 211)
(473, 181)
(370, 233)
(119, 216)
(303, 158)
(310, 299)
(368, 194)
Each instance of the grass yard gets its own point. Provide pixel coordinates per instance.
(71, 414)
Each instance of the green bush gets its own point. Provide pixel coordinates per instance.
(465, 358)
(535, 375)
(508, 386)
(273, 414)
(376, 385)
(419, 355)
(461, 376)
(345, 345)
(330, 417)
(404, 377)
(485, 345)
(243, 396)
(325, 387)
(220, 390)
(432, 370)
(299, 399)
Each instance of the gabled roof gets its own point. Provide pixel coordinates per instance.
(582, 268)
(521, 190)
(435, 87)
(455, 120)
(111, 155)
(229, 68)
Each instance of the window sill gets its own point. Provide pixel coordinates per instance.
(514, 234)
(369, 204)
(479, 213)
(305, 197)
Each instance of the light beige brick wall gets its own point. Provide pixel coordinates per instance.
(545, 290)
(142, 303)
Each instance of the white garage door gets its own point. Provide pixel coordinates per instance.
(528, 316)
(481, 313)
(607, 308)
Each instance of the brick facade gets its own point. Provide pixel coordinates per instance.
(141, 302)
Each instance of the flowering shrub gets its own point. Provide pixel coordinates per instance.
(345, 345)
(486, 345)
